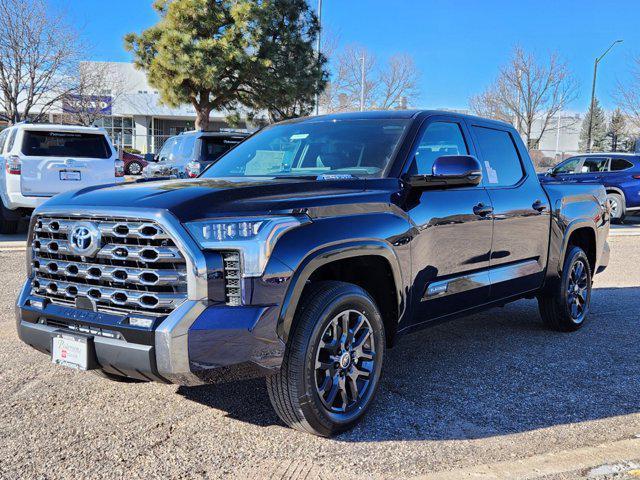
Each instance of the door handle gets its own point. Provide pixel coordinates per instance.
(539, 206)
(482, 210)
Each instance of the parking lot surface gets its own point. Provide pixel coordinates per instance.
(492, 391)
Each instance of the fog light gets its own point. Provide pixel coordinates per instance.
(141, 322)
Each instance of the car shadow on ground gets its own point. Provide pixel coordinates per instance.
(491, 374)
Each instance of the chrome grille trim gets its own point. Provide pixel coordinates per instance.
(139, 267)
(136, 253)
(142, 276)
(116, 296)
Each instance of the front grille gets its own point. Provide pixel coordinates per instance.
(232, 282)
(138, 266)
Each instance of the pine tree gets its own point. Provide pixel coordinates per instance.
(598, 130)
(617, 131)
(221, 54)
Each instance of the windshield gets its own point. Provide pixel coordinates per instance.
(355, 147)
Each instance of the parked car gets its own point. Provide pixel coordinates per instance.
(40, 161)
(187, 154)
(304, 253)
(133, 164)
(619, 173)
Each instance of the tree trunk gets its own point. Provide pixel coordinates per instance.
(202, 118)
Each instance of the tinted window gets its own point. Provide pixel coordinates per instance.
(214, 147)
(618, 164)
(65, 144)
(186, 149)
(594, 164)
(501, 160)
(315, 147)
(439, 139)
(568, 166)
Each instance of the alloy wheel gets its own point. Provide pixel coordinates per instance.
(577, 290)
(345, 362)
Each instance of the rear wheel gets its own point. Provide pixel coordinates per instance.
(566, 307)
(8, 224)
(333, 360)
(617, 207)
(134, 168)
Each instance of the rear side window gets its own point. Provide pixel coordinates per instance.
(186, 150)
(594, 165)
(501, 160)
(618, 164)
(65, 144)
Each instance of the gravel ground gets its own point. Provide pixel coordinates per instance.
(488, 388)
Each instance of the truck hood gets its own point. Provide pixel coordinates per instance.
(192, 199)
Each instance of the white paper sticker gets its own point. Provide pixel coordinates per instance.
(299, 136)
(492, 175)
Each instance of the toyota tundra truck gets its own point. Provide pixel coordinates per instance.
(304, 253)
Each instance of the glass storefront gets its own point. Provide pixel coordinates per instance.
(120, 129)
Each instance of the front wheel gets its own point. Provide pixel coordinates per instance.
(333, 360)
(566, 306)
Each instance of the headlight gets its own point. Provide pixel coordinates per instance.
(254, 238)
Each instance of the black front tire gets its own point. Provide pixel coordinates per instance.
(295, 390)
(565, 307)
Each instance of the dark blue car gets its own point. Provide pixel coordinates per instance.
(618, 172)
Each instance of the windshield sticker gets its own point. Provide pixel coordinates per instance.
(492, 175)
(299, 136)
(265, 162)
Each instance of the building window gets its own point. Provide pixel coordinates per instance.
(120, 129)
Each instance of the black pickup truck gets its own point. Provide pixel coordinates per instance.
(304, 253)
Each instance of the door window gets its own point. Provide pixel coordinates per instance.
(439, 139)
(501, 160)
(568, 166)
(618, 164)
(169, 150)
(594, 165)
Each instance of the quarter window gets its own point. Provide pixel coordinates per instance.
(12, 138)
(501, 160)
(3, 139)
(618, 164)
(439, 139)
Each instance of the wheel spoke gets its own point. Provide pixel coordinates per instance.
(344, 325)
(335, 388)
(353, 382)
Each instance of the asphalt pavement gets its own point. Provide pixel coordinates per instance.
(494, 395)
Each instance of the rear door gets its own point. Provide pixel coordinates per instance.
(521, 212)
(57, 161)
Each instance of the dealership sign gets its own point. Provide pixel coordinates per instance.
(87, 104)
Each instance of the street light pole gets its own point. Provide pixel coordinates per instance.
(318, 45)
(593, 94)
(362, 85)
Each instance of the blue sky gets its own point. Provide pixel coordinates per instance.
(457, 45)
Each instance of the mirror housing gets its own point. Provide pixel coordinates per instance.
(450, 171)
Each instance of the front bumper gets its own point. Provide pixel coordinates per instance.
(197, 343)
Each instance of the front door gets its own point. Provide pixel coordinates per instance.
(451, 251)
(521, 212)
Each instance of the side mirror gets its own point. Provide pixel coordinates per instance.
(549, 172)
(450, 171)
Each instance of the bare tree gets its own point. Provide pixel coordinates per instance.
(528, 93)
(38, 51)
(388, 85)
(628, 94)
(98, 85)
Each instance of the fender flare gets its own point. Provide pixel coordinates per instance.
(326, 255)
(611, 188)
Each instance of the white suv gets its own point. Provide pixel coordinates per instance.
(38, 161)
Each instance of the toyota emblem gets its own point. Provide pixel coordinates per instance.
(84, 239)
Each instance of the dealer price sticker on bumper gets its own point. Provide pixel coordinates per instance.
(70, 352)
